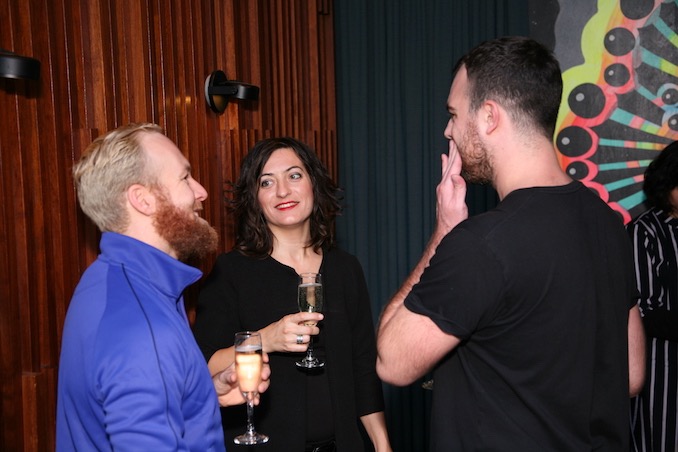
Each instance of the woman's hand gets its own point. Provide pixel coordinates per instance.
(292, 333)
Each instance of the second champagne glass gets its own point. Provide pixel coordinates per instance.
(248, 364)
(310, 299)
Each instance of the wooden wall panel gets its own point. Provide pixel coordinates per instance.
(106, 63)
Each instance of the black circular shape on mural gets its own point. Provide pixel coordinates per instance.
(586, 100)
(617, 74)
(574, 141)
(670, 96)
(619, 41)
(636, 9)
(673, 122)
(577, 170)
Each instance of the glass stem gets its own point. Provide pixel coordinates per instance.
(309, 350)
(250, 415)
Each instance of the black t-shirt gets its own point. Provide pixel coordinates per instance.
(538, 291)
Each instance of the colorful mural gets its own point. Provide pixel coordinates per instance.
(620, 106)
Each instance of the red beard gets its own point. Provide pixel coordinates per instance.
(190, 237)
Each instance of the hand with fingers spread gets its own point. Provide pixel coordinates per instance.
(451, 206)
(290, 334)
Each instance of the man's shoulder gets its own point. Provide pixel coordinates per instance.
(89, 296)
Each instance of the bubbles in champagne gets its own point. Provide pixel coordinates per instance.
(310, 297)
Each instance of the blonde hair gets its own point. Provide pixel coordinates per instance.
(108, 167)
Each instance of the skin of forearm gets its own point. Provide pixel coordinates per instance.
(390, 359)
(636, 350)
(375, 425)
(413, 278)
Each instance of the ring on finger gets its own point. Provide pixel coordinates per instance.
(300, 339)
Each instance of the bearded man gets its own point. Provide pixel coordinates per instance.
(131, 376)
(526, 313)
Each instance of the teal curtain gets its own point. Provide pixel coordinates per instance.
(394, 61)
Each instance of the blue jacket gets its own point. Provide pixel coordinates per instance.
(131, 376)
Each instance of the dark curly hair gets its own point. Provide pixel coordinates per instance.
(661, 177)
(253, 236)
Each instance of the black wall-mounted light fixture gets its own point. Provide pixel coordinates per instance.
(218, 91)
(17, 66)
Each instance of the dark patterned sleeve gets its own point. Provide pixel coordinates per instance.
(656, 275)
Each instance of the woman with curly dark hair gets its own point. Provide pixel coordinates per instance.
(285, 204)
(654, 415)
(254, 238)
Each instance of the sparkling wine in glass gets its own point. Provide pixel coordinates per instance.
(310, 299)
(248, 364)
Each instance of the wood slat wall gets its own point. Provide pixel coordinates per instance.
(106, 63)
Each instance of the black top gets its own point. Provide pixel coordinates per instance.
(245, 293)
(538, 290)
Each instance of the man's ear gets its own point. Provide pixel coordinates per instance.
(491, 115)
(141, 198)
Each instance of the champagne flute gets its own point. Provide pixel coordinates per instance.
(310, 299)
(248, 364)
